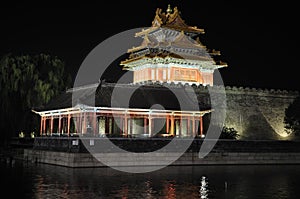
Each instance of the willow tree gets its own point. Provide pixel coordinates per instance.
(28, 81)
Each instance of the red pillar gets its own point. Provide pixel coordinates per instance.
(51, 125)
(145, 124)
(41, 126)
(150, 126)
(194, 127)
(201, 126)
(121, 125)
(78, 123)
(59, 124)
(188, 126)
(125, 125)
(44, 126)
(69, 121)
(131, 125)
(95, 123)
(112, 124)
(78, 126)
(172, 125)
(180, 126)
(167, 124)
(84, 123)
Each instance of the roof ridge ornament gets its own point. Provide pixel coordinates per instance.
(169, 9)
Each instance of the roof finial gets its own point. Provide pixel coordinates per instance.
(169, 10)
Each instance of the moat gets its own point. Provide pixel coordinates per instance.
(28, 180)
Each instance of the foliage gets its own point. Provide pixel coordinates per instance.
(21, 134)
(292, 117)
(229, 133)
(26, 82)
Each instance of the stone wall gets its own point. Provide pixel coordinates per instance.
(159, 158)
(68, 154)
(190, 158)
(254, 113)
(257, 113)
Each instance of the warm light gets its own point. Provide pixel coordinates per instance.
(284, 134)
(203, 188)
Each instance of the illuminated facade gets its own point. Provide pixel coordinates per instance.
(170, 53)
(60, 118)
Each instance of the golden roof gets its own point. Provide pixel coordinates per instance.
(185, 46)
(171, 19)
(181, 41)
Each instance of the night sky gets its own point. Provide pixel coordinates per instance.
(257, 40)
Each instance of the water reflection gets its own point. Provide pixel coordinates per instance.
(46, 181)
(203, 188)
(169, 190)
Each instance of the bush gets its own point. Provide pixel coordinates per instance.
(229, 133)
(292, 117)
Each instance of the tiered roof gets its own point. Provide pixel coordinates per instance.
(100, 95)
(171, 39)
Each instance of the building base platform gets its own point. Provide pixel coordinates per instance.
(71, 152)
(77, 160)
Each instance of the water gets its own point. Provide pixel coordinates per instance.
(23, 180)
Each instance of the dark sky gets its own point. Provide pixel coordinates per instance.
(257, 40)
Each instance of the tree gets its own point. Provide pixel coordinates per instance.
(229, 133)
(292, 117)
(28, 81)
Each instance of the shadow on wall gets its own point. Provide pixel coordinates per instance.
(258, 128)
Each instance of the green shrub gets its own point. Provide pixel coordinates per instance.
(229, 133)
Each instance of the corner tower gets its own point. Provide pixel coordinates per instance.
(171, 52)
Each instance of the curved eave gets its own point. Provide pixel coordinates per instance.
(188, 29)
(132, 63)
(59, 111)
(118, 110)
(146, 31)
(134, 49)
(222, 65)
(214, 52)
